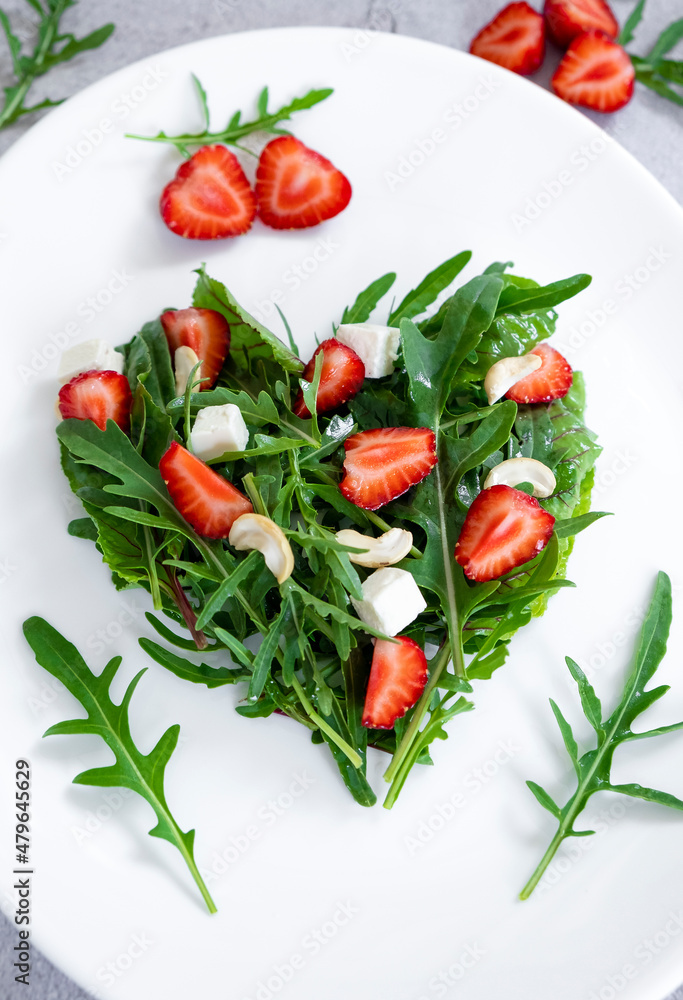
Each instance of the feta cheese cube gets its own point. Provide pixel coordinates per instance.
(218, 429)
(391, 600)
(376, 346)
(89, 356)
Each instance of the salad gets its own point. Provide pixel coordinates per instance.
(383, 516)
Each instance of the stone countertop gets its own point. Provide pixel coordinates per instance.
(650, 128)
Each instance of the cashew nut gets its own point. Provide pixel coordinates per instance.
(185, 359)
(502, 375)
(254, 531)
(386, 550)
(523, 470)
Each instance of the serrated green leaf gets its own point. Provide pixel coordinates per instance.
(367, 300)
(545, 800)
(419, 299)
(142, 773)
(631, 23)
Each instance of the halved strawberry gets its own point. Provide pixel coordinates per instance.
(514, 39)
(382, 464)
(98, 396)
(209, 198)
(551, 381)
(297, 187)
(504, 528)
(340, 379)
(206, 500)
(205, 331)
(566, 19)
(595, 73)
(397, 679)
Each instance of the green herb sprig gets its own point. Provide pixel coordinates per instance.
(236, 129)
(142, 773)
(593, 768)
(52, 47)
(664, 76)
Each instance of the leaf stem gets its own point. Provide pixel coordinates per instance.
(441, 661)
(353, 756)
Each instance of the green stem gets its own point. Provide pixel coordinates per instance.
(354, 757)
(419, 713)
(545, 861)
(10, 110)
(201, 885)
(579, 798)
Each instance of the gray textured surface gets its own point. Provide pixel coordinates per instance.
(650, 128)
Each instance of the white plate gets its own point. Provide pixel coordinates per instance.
(116, 909)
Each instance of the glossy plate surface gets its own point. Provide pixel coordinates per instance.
(318, 897)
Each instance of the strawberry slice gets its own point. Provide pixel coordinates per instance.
(397, 679)
(566, 19)
(340, 379)
(514, 39)
(205, 331)
(382, 464)
(551, 381)
(209, 198)
(595, 73)
(206, 500)
(98, 396)
(297, 187)
(504, 528)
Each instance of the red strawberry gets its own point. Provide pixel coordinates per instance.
(206, 500)
(595, 73)
(340, 379)
(209, 198)
(98, 396)
(397, 678)
(514, 39)
(566, 19)
(382, 464)
(503, 529)
(297, 187)
(205, 331)
(551, 381)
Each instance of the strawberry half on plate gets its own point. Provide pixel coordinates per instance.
(595, 73)
(209, 198)
(206, 500)
(205, 331)
(514, 39)
(98, 396)
(567, 19)
(297, 187)
(382, 464)
(341, 377)
(397, 679)
(504, 528)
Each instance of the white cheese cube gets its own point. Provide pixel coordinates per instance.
(89, 356)
(376, 346)
(218, 429)
(391, 600)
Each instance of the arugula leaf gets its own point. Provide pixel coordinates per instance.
(236, 129)
(246, 333)
(51, 47)
(420, 298)
(142, 773)
(514, 299)
(593, 768)
(631, 23)
(367, 300)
